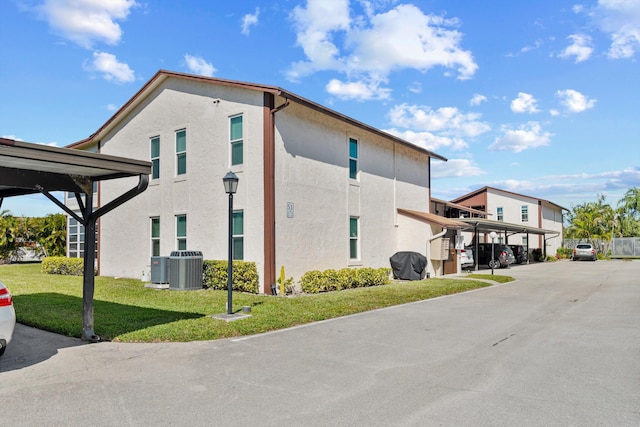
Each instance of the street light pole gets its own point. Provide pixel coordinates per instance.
(230, 181)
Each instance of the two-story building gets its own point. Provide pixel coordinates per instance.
(317, 189)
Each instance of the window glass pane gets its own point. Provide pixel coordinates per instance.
(238, 223)
(155, 227)
(236, 153)
(236, 128)
(353, 249)
(181, 141)
(155, 168)
(353, 169)
(238, 248)
(353, 227)
(155, 248)
(353, 148)
(182, 244)
(181, 226)
(155, 148)
(182, 164)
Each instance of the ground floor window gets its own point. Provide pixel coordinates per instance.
(75, 239)
(238, 234)
(181, 232)
(353, 238)
(155, 236)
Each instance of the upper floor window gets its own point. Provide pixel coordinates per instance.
(155, 236)
(236, 140)
(525, 213)
(181, 232)
(500, 214)
(353, 158)
(237, 226)
(181, 152)
(353, 238)
(155, 157)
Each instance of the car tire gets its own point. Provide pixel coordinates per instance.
(494, 263)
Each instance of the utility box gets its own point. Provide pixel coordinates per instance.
(185, 270)
(159, 269)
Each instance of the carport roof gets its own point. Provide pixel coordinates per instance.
(33, 168)
(488, 225)
(434, 219)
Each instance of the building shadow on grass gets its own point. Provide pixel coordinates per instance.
(32, 345)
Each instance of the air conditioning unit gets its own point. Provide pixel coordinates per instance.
(159, 269)
(185, 270)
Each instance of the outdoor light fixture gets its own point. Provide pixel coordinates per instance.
(230, 181)
(493, 236)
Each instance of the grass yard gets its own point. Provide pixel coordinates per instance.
(124, 310)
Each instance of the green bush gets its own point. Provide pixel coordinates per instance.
(315, 281)
(245, 276)
(63, 265)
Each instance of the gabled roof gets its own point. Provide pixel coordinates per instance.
(460, 207)
(163, 75)
(487, 188)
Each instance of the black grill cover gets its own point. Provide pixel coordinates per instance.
(408, 265)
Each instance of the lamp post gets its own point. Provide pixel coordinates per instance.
(493, 236)
(230, 181)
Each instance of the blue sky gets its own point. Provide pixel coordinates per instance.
(536, 97)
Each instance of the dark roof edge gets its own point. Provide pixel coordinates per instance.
(486, 187)
(161, 75)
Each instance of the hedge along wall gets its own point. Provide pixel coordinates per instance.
(63, 265)
(313, 282)
(244, 277)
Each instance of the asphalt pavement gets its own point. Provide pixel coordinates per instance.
(560, 346)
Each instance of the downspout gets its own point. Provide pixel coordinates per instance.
(269, 132)
(434, 237)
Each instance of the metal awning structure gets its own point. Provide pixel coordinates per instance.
(430, 218)
(27, 168)
(481, 225)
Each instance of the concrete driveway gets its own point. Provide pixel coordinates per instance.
(558, 347)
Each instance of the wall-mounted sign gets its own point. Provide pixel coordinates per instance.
(289, 209)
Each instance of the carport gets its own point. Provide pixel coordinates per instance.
(28, 168)
(481, 225)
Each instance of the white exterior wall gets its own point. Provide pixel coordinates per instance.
(312, 175)
(552, 219)
(512, 213)
(125, 232)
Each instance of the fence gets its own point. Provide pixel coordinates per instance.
(618, 247)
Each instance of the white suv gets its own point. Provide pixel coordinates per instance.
(7, 317)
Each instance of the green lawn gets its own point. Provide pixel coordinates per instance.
(124, 310)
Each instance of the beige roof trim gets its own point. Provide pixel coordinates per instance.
(433, 219)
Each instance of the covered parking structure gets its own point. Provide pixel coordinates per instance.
(481, 225)
(27, 168)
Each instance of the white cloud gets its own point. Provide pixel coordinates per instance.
(574, 101)
(580, 48)
(360, 91)
(477, 99)
(112, 107)
(111, 70)
(87, 21)
(621, 20)
(529, 135)
(524, 103)
(455, 168)
(429, 140)
(447, 120)
(249, 20)
(415, 87)
(369, 49)
(198, 65)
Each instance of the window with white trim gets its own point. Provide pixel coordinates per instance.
(155, 236)
(525, 213)
(181, 232)
(181, 152)
(237, 227)
(499, 214)
(75, 238)
(353, 158)
(236, 139)
(354, 242)
(155, 157)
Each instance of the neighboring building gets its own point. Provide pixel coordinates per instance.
(517, 210)
(317, 189)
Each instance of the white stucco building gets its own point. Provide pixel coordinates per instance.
(317, 189)
(518, 209)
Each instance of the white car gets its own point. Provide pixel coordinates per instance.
(466, 257)
(7, 317)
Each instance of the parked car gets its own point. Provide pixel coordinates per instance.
(466, 257)
(519, 253)
(502, 255)
(7, 318)
(584, 251)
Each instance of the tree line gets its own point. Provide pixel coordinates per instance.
(598, 220)
(46, 236)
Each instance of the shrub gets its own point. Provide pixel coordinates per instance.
(315, 281)
(562, 253)
(63, 265)
(245, 276)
